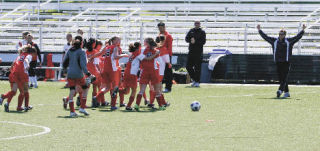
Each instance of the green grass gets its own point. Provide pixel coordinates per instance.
(231, 118)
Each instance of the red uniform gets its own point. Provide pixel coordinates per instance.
(130, 73)
(19, 73)
(110, 72)
(150, 70)
(91, 65)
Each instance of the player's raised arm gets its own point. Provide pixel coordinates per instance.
(270, 40)
(298, 36)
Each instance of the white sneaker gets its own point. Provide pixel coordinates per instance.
(286, 95)
(73, 114)
(197, 84)
(81, 110)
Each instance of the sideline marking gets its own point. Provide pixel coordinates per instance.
(45, 130)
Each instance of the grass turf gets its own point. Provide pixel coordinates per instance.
(231, 118)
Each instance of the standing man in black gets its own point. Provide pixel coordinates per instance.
(282, 53)
(196, 38)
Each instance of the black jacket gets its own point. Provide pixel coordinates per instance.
(280, 51)
(200, 39)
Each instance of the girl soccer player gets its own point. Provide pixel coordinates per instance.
(130, 74)
(150, 72)
(76, 60)
(19, 79)
(109, 73)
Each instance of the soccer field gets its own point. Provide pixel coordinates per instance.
(232, 117)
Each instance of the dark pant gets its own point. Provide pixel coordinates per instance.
(194, 67)
(168, 76)
(283, 69)
(32, 68)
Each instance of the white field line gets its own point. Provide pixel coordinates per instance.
(264, 85)
(45, 130)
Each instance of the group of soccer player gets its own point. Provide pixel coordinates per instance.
(89, 63)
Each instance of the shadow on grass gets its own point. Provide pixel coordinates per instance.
(275, 98)
(16, 112)
(140, 111)
(79, 116)
(191, 87)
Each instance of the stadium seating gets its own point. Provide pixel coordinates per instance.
(228, 24)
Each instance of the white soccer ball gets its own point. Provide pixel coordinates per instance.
(195, 106)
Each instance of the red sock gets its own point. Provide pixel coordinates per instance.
(7, 95)
(139, 96)
(80, 95)
(83, 103)
(121, 95)
(163, 100)
(152, 96)
(99, 95)
(71, 106)
(20, 100)
(10, 96)
(94, 91)
(159, 100)
(102, 100)
(113, 101)
(131, 99)
(26, 97)
(145, 96)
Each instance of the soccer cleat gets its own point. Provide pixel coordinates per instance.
(6, 107)
(94, 102)
(123, 105)
(20, 109)
(166, 91)
(1, 99)
(286, 95)
(162, 108)
(31, 85)
(83, 111)
(146, 102)
(35, 86)
(151, 105)
(136, 107)
(105, 104)
(73, 114)
(193, 83)
(26, 109)
(129, 108)
(167, 104)
(65, 102)
(78, 101)
(114, 108)
(279, 92)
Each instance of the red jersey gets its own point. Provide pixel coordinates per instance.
(110, 63)
(19, 64)
(167, 46)
(148, 65)
(91, 65)
(132, 66)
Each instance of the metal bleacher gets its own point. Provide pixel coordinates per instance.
(229, 24)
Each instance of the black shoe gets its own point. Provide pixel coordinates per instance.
(167, 104)
(151, 105)
(31, 86)
(26, 109)
(78, 101)
(123, 105)
(94, 102)
(279, 92)
(6, 107)
(129, 108)
(105, 104)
